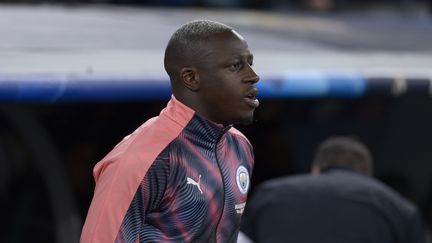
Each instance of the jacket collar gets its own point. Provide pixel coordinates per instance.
(198, 126)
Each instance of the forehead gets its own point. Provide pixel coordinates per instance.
(226, 44)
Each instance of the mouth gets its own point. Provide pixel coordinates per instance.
(251, 99)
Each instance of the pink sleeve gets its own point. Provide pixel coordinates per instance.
(120, 173)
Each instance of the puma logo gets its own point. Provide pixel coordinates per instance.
(193, 182)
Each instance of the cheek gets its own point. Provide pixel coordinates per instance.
(223, 88)
(228, 95)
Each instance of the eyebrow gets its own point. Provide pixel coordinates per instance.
(241, 56)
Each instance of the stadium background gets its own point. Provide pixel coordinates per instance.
(78, 76)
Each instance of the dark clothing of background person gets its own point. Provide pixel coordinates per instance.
(337, 206)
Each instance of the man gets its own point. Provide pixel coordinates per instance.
(184, 175)
(338, 203)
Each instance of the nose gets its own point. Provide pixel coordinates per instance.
(252, 76)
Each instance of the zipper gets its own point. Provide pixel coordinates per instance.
(223, 184)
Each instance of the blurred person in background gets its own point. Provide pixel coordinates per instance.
(319, 5)
(338, 202)
(184, 176)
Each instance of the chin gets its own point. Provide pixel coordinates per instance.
(246, 120)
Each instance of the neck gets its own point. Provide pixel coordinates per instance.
(193, 102)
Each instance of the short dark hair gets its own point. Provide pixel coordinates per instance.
(344, 152)
(185, 43)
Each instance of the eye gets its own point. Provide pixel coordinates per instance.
(235, 66)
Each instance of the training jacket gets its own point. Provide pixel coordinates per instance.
(177, 178)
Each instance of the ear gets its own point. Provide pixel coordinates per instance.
(190, 79)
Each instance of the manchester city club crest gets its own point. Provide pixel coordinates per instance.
(242, 179)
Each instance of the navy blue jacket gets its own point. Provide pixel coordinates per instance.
(338, 206)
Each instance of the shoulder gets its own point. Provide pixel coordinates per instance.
(239, 143)
(235, 132)
(378, 193)
(290, 181)
(284, 185)
(136, 152)
(239, 138)
(391, 197)
(151, 137)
